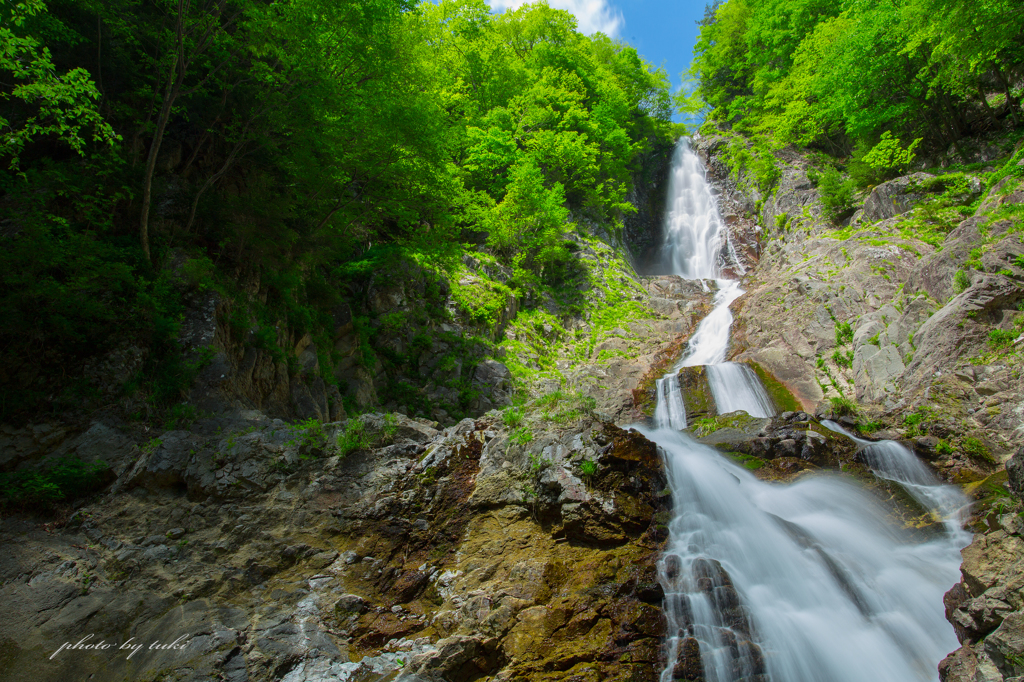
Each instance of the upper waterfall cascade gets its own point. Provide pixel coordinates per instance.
(694, 229)
(807, 582)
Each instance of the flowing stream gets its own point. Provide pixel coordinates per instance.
(806, 582)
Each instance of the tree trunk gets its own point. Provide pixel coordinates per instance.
(1009, 97)
(147, 178)
(988, 109)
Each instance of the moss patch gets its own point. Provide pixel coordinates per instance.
(747, 461)
(777, 391)
(696, 392)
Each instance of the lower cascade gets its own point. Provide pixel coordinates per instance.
(805, 582)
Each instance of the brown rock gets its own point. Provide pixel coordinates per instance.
(989, 559)
(688, 667)
(378, 629)
(959, 666)
(408, 586)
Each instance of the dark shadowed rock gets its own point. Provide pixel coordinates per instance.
(697, 397)
(410, 584)
(163, 463)
(688, 666)
(1015, 473)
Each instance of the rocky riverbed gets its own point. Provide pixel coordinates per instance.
(521, 543)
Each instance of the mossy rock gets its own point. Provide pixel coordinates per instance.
(738, 420)
(784, 400)
(987, 487)
(747, 461)
(696, 392)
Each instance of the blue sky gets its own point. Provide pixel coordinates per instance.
(663, 31)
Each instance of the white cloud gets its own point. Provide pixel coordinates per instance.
(592, 15)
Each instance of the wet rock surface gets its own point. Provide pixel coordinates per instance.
(919, 336)
(986, 609)
(440, 555)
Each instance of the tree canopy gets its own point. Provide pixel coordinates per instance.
(839, 73)
(283, 141)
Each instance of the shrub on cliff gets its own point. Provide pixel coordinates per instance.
(836, 194)
(60, 481)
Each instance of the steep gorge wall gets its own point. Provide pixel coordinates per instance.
(920, 325)
(916, 338)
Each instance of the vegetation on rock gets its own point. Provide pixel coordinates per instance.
(157, 153)
(858, 77)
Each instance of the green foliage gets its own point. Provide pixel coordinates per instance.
(704, 426)
(915, 419)
(889, 158)
(353, 438)
(1002, 338)
(538, 463)
(310, 435)
(835, 75)
(59, 481)
(975, 449)
(961, 280)
(389, 429)
(752, 162)
(844, 333)
(483, 301)
(841, 405)
(313, 148)
(565, 407)
(944, 448)
(836, 194)
(54, 105)
(843, 359)
(512, 416)
(588, 468)
(520, 436)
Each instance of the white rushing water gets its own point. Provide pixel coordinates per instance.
(814, 584)
(710, 342)
(694, 230)
(735, 386)
(807, 582)
(670, 411)
(893, 462)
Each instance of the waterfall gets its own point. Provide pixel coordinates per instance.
(806, 582)
(735, 386)
(710, 342)
(893, 462)
(694, 239)
(693, 227)
(670, 411)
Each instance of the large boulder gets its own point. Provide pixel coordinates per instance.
(164, 461)
(494, 382)
(945, 335)
(1015, 473)
(894, 197)
(696, 392)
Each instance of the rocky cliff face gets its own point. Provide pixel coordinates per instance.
(444, 555)
(518, 544)
(889, 310)
(986, 607)
(912, 309)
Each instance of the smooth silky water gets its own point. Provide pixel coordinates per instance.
(805, 582)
